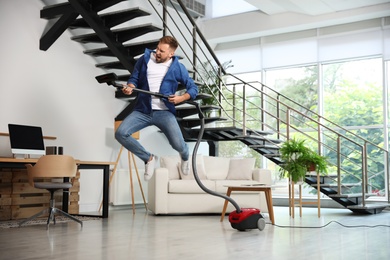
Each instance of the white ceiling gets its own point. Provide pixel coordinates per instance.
(238, 20)
(310, 7)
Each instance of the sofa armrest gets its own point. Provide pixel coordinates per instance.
(262, 176)
(158, 191)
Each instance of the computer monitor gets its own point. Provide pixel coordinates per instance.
(27, 140)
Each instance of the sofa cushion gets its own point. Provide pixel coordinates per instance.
(188, 186)
(170, 162)
(241, 169)
(217, 168)
(199, 167)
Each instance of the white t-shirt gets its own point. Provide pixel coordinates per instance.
(155, 73)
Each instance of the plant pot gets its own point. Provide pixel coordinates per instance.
(300, 181)
(311, 168)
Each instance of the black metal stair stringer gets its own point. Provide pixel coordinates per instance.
(105, 34)
(68, 16)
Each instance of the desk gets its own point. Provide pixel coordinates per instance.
(264, 188)
(82, 165)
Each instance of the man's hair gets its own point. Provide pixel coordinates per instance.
(172, 42)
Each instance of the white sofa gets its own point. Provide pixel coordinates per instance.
(169, 192)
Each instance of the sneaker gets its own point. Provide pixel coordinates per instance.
(185, 167)
(149, 168)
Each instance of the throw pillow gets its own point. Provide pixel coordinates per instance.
(170, 162)
(199, 168)
(241, 169)
(217, 168)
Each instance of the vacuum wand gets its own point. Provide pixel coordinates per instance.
(156, 94)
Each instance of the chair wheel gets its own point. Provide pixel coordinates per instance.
(261, 224)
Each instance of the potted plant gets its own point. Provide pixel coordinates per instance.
(298, 158)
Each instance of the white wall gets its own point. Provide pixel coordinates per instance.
(56, 89)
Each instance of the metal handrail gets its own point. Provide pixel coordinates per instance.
(321, 125)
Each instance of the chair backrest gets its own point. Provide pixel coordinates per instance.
(51, 166)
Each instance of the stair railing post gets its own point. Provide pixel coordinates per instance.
(338, 165)
(387, 175)
(290, 195)
(194, 51)
(220, 83)
(164, 14)
(262, 116)
(288, 112)
(364, 173)
(278, 115)
(244, 111)
(234, 105)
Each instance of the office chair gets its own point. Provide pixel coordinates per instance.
(47, 168)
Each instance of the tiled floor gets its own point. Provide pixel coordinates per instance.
(145, 236)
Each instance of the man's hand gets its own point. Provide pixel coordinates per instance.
(128, 89)
(174, 99)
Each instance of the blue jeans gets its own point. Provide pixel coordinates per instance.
(163, 119)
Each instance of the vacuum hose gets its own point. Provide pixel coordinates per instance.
(200, 135)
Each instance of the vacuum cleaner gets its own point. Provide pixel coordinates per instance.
(242, 218)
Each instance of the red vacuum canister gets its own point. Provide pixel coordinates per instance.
(247, 218)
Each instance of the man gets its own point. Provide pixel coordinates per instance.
(157, 71)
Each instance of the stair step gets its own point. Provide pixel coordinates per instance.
(98, 5)
(352, 195)
(185, 111)
(125, 77)
(334, 185)
(329, 175)
(264, 146)
(112, 19)
(260, 137)
(372, 208)
(134, 49)
(193, 122)
(260, 141)
(231, 133)
(57, 10)
(111, 65)
(203, 96)
(254, 135)
(271, 155)
(219, 133)
(119, 65)
(121, 35)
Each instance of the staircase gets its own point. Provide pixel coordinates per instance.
(116, 33)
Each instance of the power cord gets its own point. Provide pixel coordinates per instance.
(333, 221)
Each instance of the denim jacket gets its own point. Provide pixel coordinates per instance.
(176, 73)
